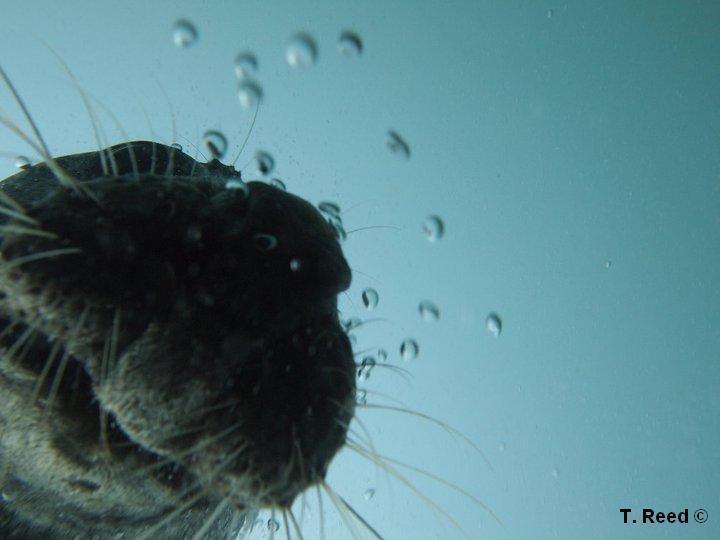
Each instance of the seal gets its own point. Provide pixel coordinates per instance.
(171, 354)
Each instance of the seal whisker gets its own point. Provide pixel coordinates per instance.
(26, 231)
(360, 518)
(64, 360)
(211, 519)
(8, 200)
(285, 523)
(342, 511)
(5, 266)
(247, 137)
(404, 480)
(448, 428)
(40, 147)
(148, 533)
(320, 511)
(295, 524)
(94, 121)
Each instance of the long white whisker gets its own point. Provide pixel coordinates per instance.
(448, 428)
(360, 518)
(25, 231)
(19, 261)
(210, 520)
(397, 474)
(247, 137)
(341, 509)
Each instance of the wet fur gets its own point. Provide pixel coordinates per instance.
(183, 359)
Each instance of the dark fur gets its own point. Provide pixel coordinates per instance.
(215, 329)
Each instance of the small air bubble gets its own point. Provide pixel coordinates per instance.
(339, 230)
(555, 472)
(397, 145)
(382, 355)
(369, 494)
(22, 162)
(349, 44)
(550, 13)
(501, 447)
(370, 298)
(608, 264)
(428, 311)
(295, 265)
(366, 367)
(330, 209)
(494, 324)
(361, 396)
(273, 525)
(177, 146)
(216, 143)
(184, 33)
(249, 94)
(301, 52)
(265, 242)
(265, 162)
(239, 185)
(246, 65)
(433, 228)
(409, 350)
(277, 183)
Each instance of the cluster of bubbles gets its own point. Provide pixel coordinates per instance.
(249, 90)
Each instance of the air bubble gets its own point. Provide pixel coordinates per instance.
(428, 311)
(555, 472)
(366, 367)
(382, 355)
(295, 265)
(177, 146)
(349, 44)
(549, 13)
(608, 264)
(433, 228)
(370, 298)
(301, 52)
(277, 183)
(216, 143)
(273, 525)
(369, 494)
(22, 162)
(494, 324)
(397, 145)
(265, 162)
(249, 94)
(246, 65)
(361, 396)
(265, 242)
(184, 33)
(330, 208)
(239, 185)
(409, 350)
(339, 230)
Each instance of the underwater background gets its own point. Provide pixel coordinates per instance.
(570, 150)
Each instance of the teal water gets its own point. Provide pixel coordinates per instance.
(571, 150)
